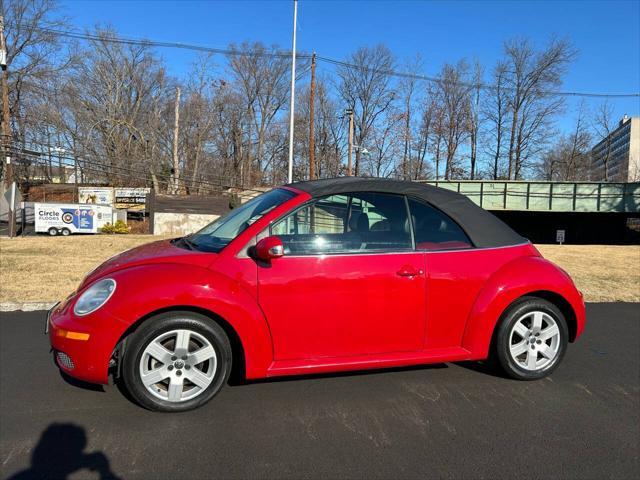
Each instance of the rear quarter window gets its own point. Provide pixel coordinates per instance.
(434, 230)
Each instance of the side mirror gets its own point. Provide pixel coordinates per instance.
(269, 248)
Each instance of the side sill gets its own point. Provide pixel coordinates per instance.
(366, 362)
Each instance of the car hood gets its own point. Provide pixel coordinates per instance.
(163, 251)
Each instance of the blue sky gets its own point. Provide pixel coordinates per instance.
(606, 33)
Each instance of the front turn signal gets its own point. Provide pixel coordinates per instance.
(72, 335)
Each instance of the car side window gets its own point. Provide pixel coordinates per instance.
(318, 227)
(354, 223)
(434, 230)
(379, 221)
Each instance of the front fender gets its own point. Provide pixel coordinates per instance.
(521, 276)
(145, 289)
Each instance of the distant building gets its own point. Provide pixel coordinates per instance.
(623, 145)
(52, 174)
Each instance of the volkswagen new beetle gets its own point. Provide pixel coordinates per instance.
(322, 276)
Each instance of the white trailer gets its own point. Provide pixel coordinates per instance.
(67, 218)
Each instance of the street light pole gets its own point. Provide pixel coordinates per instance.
(293, 91)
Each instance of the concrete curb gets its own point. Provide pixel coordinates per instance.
(25, 306)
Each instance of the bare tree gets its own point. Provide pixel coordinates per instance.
(263, 80)
(365, 86)
(34, 55)
(408, 89)
(385, 146)
(603, 125)
(531, 75)
(228, 144)
(330, 133)
(473, 117)
(438, 140)
(495, 112)
(112, 94)
(577, 161)
(418, 167)
(454, 98)
(569, 157)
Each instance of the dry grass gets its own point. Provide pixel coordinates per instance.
(604, 273)
(42, 268)
(46, 269)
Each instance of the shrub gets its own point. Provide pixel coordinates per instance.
(119, 227)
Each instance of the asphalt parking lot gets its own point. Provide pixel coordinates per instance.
(441, 421)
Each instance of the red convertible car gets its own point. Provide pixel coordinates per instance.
(321, 276)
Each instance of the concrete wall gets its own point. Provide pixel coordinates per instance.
(180, 224)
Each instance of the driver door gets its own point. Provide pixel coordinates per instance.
(350, 282)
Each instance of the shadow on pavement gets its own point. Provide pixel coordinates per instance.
(94, 387)
(60, 453)
(486, 367)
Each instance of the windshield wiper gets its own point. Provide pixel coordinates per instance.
(187, 243)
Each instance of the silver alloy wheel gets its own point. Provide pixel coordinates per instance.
(178, 365)
(534, 341)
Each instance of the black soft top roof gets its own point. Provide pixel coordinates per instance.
(483, 228)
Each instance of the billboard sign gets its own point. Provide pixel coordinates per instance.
(96, 195)
(131, 198)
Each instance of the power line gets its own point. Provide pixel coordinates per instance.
(156, 43)
(331, 61)
(482, 86)
(91, 165)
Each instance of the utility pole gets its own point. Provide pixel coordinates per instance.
(312, 107)
(293, 90)
(6, 126)
(350, 150)
(6, 130)
(175, 177)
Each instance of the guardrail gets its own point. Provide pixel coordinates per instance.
(542, 196)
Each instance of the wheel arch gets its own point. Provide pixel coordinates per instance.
(552, 297)
(238, 356)
(563, 305)
(523, 277)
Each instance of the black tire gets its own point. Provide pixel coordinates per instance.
(66, 232)
(167, 322)
(53, 231)
(502, 342)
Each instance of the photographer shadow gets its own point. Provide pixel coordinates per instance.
(60, 453)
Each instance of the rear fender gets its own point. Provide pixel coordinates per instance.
(520, 277)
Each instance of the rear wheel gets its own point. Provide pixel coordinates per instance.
(53, 231)
(176, 361)
(66, 232)
(531, 339)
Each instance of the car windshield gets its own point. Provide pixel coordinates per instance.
(218, 234)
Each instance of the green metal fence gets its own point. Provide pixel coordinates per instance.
(549, 196)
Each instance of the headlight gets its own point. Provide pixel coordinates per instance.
(95, 296)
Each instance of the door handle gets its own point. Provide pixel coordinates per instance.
(409, 271)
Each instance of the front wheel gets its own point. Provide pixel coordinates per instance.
(531, 339)
(176, 361)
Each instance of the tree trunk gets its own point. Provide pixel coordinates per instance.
(512, 138)
(175, 176)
